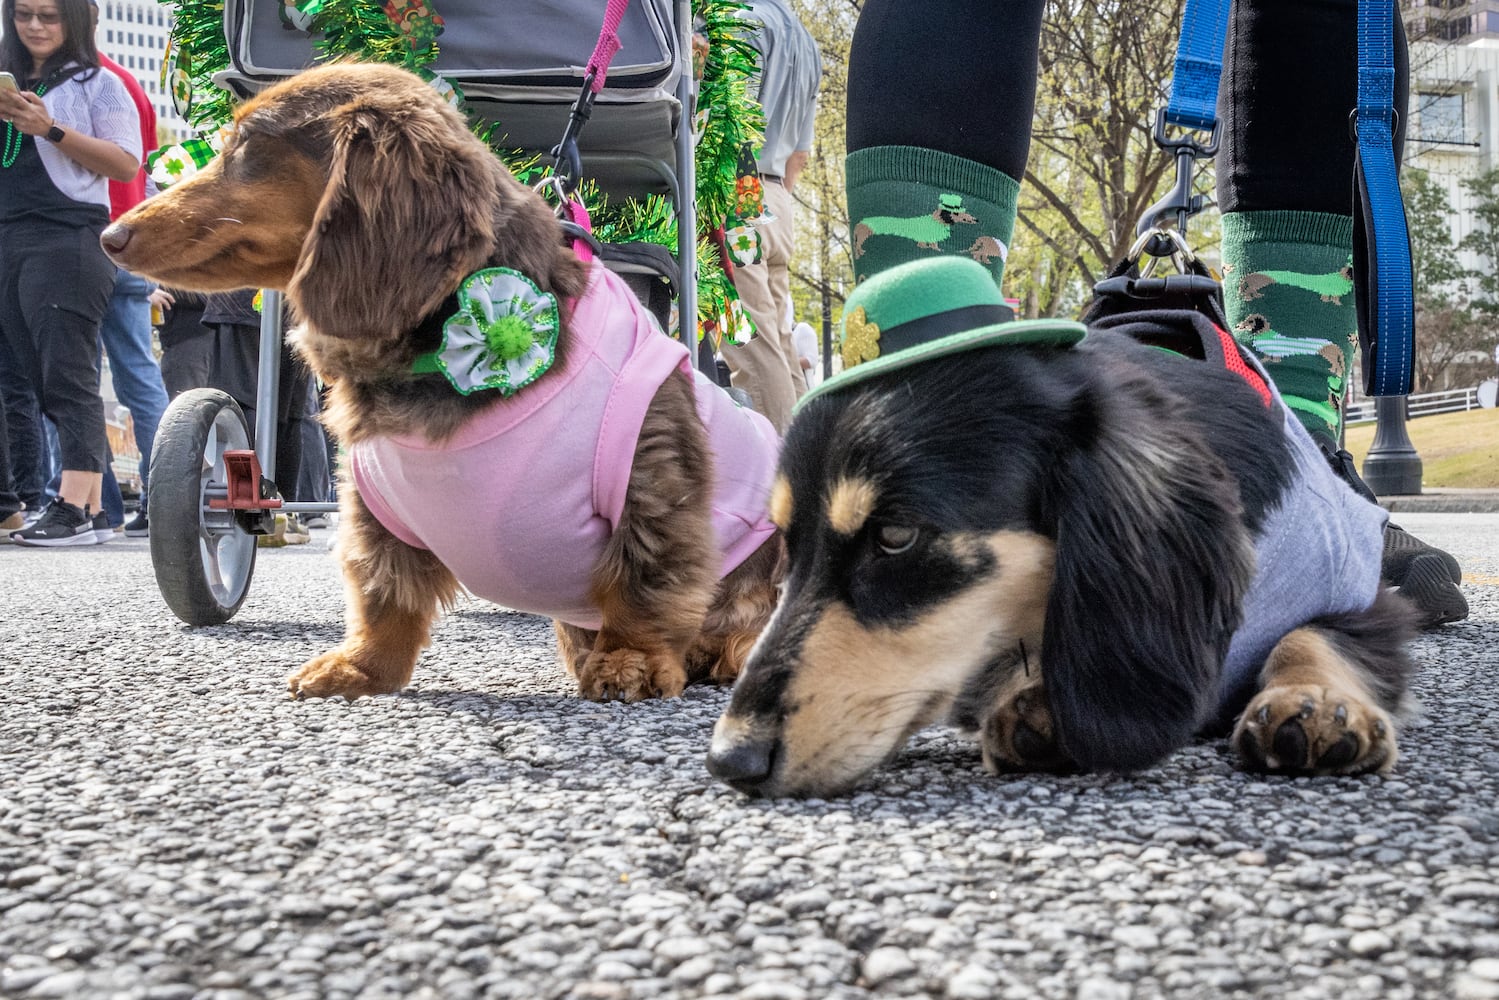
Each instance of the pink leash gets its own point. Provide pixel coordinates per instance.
(603, 52)
(566, 152)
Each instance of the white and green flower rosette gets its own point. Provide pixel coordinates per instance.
(504, 335)
(176, 163)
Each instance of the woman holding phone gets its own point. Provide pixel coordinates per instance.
(67, 130)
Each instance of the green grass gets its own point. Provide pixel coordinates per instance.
(1458, 450)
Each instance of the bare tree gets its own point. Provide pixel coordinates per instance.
(1103, 73)
(1093, 168)
(822, 269)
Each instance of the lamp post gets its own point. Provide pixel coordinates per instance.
(1392, 466)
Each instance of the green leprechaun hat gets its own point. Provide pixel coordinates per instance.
(926, 309)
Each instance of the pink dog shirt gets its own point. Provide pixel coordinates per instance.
(508, 503)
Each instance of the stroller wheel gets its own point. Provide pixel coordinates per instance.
(202, 557)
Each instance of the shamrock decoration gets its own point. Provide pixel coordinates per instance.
(173, 164)
(861, 338)
(504, 335)
(743, 244)
(444, 87)
(416, 21)
(177, 79)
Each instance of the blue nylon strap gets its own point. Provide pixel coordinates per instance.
(1390, 299)
(1199, 64)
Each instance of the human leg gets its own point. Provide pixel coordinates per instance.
(762, 367)
(185, 364)
(1285, 183)
(778, 263)
(126, 334)
(10, 503)
(927, 171)
(61, 292)
(1285, 186)
(24, 422)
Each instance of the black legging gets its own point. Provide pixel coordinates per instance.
(1290, 79)
(957, 76)
(960, 76)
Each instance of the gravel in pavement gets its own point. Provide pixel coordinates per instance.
(172, 826)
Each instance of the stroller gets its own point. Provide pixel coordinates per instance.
(638, 142)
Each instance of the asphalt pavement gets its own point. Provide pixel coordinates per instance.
(173, 826)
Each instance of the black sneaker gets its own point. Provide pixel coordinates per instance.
(103, 530)
(1426, 576)
(138, 526)
(60, 524)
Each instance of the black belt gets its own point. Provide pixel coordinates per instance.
(777, 178)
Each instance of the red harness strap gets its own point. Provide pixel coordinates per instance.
(1234, 362)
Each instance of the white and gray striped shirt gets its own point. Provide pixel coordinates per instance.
(100, 107)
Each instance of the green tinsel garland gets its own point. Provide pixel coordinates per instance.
(362, 29)
(734, 119)
(199, 49)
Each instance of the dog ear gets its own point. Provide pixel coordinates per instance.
(409, 209)
(1152, 565)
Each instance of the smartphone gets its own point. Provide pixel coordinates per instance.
(8, 82)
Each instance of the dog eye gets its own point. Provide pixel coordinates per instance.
(894, 539)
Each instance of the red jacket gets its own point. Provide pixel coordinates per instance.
(125, 195)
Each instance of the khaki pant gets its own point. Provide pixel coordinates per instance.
(767, 367)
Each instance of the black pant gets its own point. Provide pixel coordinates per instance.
(9, 502)
(1290, 79)
(55, 283)
(235, 369)
(959, 76)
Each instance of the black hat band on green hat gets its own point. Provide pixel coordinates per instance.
(943, 324)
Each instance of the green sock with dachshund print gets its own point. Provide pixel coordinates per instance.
(1288, 289)
(908, 203)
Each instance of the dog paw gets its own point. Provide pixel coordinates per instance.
(1313, 730)
(1017, 734)
(732, 657)
(329, 676)
(630, 675)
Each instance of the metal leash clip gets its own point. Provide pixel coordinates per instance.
(568, 161)
(553, 188)
(1158, 244)
(1180, 200)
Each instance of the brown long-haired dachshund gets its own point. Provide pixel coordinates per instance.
(590, 477)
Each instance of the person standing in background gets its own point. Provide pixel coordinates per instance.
(126, 329)
(186, 344)
(12, 517)
(68, 130)
(766, 366)
(804, 339)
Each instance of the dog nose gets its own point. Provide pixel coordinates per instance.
(744, 762)
(116, 238)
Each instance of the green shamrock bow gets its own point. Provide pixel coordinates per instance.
(504, 335)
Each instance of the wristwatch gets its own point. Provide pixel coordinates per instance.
(55, 133)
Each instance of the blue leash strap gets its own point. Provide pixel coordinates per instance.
(1381, 240)
(1193, 105)
(1199, 65)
